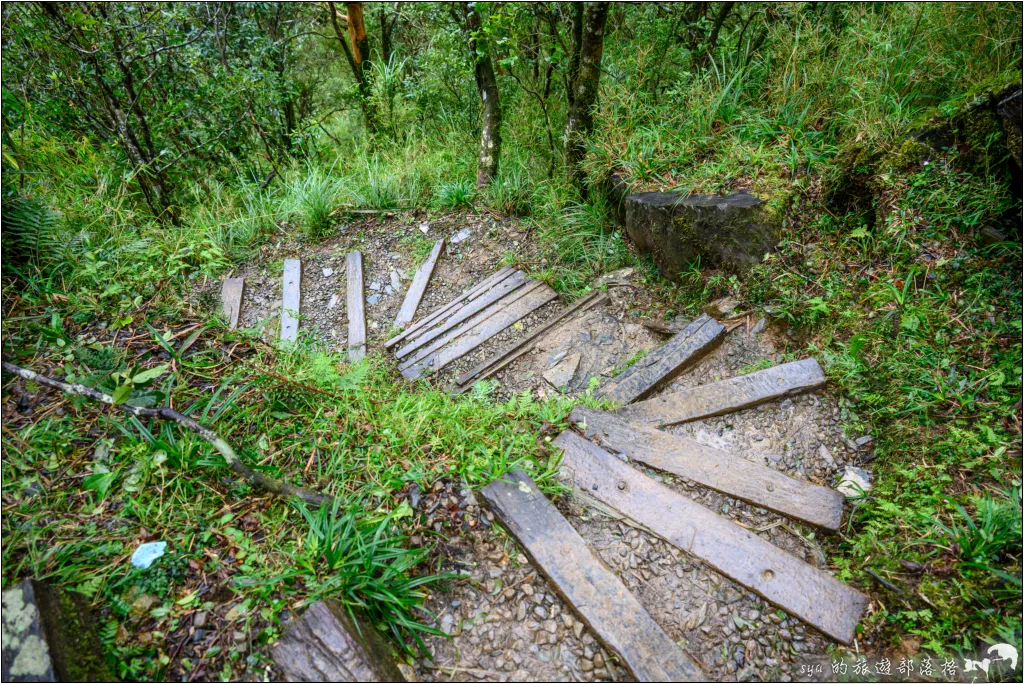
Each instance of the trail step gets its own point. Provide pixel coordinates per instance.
(720, 470)
(665, 362)
(478, 329)
(591, 589)
(356, 306)
(493, 294)
(291, 300)
(726, 396)
(797, 587)
(418, 287)
(326, 645)
(502, 359)
(231, 294)
(434, 316)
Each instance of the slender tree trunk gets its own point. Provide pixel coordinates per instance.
(583, 98)
(487, 84)
(358, 55)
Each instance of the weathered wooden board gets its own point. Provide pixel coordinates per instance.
(720, 470)
(795, 586)
(485, 330)
(665, 362)
(464, 313)
(432, 318)
(501, 360)
(356, 306)
(325, 645)
(231, 299)
(291, 300)
(726, 396)
(593, 591)
(473, 322)
(418, 287)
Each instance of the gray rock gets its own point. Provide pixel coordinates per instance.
(562, 373)
(328, 272)
(461, 236)
(855, 482)
(374, 299)
(396, 280)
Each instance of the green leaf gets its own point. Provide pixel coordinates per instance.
(99, 483)
(122, 393)
(150, 374)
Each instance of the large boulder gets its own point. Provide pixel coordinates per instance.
(732, 232)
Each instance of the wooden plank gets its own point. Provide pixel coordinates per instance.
(485, 330)
(720, 470)
(503, 358)
(464, 313)
(593, 591)
(291, 300)
(418, 287)
(797, 587)
(433, 316)
(356, 306)
(476, 320)
(327, 645)
(231, 299)
(665, 362)
(726, 396)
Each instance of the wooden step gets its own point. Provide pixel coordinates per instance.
(433, 317)
(726, 396)
(503, 358)
(231, 299)
(355, 303)
(664, 363)
(472, 307)
(591, 589)
(418, 287)
(491, 322)
(797, 587)
(720, 470)
(291, 300)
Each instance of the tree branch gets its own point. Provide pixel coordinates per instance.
(250, 476)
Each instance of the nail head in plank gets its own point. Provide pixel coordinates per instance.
(482, 332)
(665, 362)
(418, 287)
(726, 396)
(592, 590)
(500, 360)
(355, 304)
(231, 299)
(436, 314)
(291, 300)
(720, 470)
(797, 587)
(464, 313)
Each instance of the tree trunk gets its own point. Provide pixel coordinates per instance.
(583, 98)
(358, 55)
(487, 84)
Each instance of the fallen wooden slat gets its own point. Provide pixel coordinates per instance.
(291, 300)
(418, 287)
(355, 303)
(503, 358)
(476, 305)
(795, 586)
(720, 470)
(665, 362)
(473, 322)
(485, 330)
(433, 316)
(231, 299)
(726, 396)
(326, 645)
(593, 591)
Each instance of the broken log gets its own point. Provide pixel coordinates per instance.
(326, 645)
(664, 363)
(355, 304)
(592, 590)
(231, 294)
(291, 300)
(797, 587)
(418, 287)
(726, 396)
(720, 470)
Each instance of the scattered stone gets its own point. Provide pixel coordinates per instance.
(759, 326)
(864, 441)
(334, 301)
(374, 298)
(461, 236)
(328, 272)
(396, 280)
(148, 553)
(425, 227)
(855, 483)
(562, 373)
(825, 455)
(721, 308)
(375, 286)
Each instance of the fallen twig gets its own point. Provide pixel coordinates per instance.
(251, 477)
